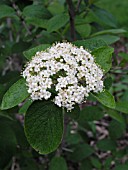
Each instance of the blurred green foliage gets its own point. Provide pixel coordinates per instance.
(118, 8)
(96, 135)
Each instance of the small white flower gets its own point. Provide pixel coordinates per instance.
(70, 70)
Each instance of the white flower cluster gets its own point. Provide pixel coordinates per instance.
(68, 71)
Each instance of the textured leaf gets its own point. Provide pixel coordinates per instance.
(103, 56)
(57, 22)
(44, 126)
(31, 52)
(105, 98)
(6, 11)
(15, 95)
(90, 44)
(58, 162)
(122, 107)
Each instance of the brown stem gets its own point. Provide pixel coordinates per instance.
(72, 18)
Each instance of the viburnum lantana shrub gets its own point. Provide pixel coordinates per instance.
(69, 71)
(55, 81)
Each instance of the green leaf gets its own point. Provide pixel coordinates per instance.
(105, 98)
(36, 11)
(20, 47)
(106, 145)
(81, 152)
(38, 22)
(121, 167)
(8, 142)
(57, 163)
(57, 22)
(5, 114)
(96, 162)
(10, 77)
(123, 55)
(18, 129)
(44, 126)
(86, 165)
(103, 56)
(125, 96)
(90, 113)
(104, 17)
(15, 95)
(79, 20)
(108, 82)
(2, 59)
(6, 11)
(25, 107)
(107, 162)
(49, 38)
(118, 9)
(37, 15)
(115, 115)
(116, 129)
(31, 52)
(75, 113)
(84, 30)
(72, 138)
(2, 91)
(55, 8)
(110, 31)
(90, 44)
(122, 107)
(30, 164)
(109, 39)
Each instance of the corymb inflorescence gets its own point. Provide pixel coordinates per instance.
(68, 72)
